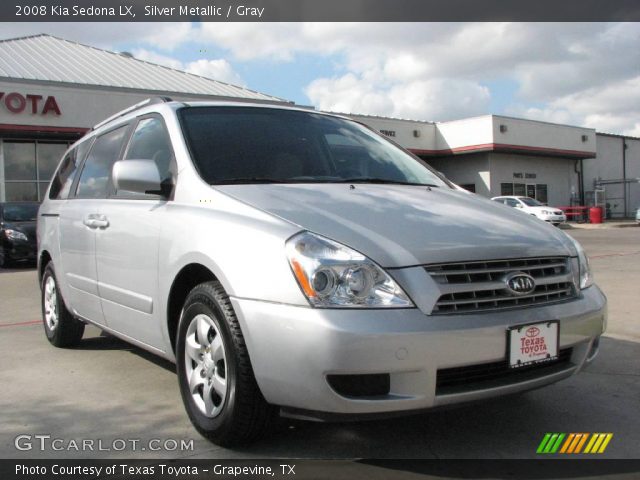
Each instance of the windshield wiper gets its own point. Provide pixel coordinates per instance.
(383, 181)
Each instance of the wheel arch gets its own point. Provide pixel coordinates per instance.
(187, 278)
(43, 260)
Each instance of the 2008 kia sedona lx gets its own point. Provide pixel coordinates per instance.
(294, 261)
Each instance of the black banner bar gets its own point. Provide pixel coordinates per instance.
(318, 10)
(299, 469)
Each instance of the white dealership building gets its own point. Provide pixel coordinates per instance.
(53, 90)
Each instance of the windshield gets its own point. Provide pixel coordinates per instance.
(530, 202)
(265, 145)
(20, 213)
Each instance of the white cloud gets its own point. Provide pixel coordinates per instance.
(348, 94)
(614, 107)
(220, 70)
(154, 57)
(421, 99)
(579, 73)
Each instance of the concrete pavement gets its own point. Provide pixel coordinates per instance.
(107, 390)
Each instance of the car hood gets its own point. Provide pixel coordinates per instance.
(399, 225)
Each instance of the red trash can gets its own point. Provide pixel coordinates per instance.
(596, 215)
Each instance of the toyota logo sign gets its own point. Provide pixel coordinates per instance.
(532, 332)
(519, 283)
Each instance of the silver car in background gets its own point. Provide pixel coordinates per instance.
(297, 262)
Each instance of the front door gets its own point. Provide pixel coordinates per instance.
(127, 263)
(127, 251)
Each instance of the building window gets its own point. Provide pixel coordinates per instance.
(537, 191)
(28, 168)
(541, 193)
(506, 189)
(470, 187)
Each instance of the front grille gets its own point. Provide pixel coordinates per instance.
(480, 286)
(487, 375)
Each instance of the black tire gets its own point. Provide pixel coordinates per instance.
(244, 414)
(66, 331)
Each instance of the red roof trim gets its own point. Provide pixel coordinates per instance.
(502, 147)
(42, 128)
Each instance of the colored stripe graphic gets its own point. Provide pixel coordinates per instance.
(543, 443)
(573, 443)
(568, 442)
(550, 443)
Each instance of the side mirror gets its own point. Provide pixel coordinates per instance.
(140, 176)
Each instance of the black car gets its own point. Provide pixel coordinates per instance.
(18, 232)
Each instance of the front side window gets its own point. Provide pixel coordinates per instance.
(264, 145)
(150, 141)
(94, 180)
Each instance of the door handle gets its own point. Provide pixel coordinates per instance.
(95, 220)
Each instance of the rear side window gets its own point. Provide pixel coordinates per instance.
(63, 179)
(94, 181)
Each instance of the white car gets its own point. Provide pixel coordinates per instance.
(534, 207)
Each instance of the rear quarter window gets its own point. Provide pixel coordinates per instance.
(66, 173)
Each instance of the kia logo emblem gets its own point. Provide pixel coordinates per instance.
(532, 332)
(519, 283)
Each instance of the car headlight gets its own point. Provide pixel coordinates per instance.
(15, 235)
(586, 278)
(332, 275)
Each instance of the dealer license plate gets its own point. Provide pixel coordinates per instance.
(533, 343)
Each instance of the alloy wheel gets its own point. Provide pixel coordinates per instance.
(206, 365)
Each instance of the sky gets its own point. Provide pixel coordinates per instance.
(585, 74)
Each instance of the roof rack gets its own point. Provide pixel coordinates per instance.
(144, 103)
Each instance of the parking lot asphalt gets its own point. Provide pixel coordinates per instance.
(112, 393)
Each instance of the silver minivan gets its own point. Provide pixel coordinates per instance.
(295, 262)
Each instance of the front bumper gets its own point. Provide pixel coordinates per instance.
(554, 218)
(20, 250)
(293, 350)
